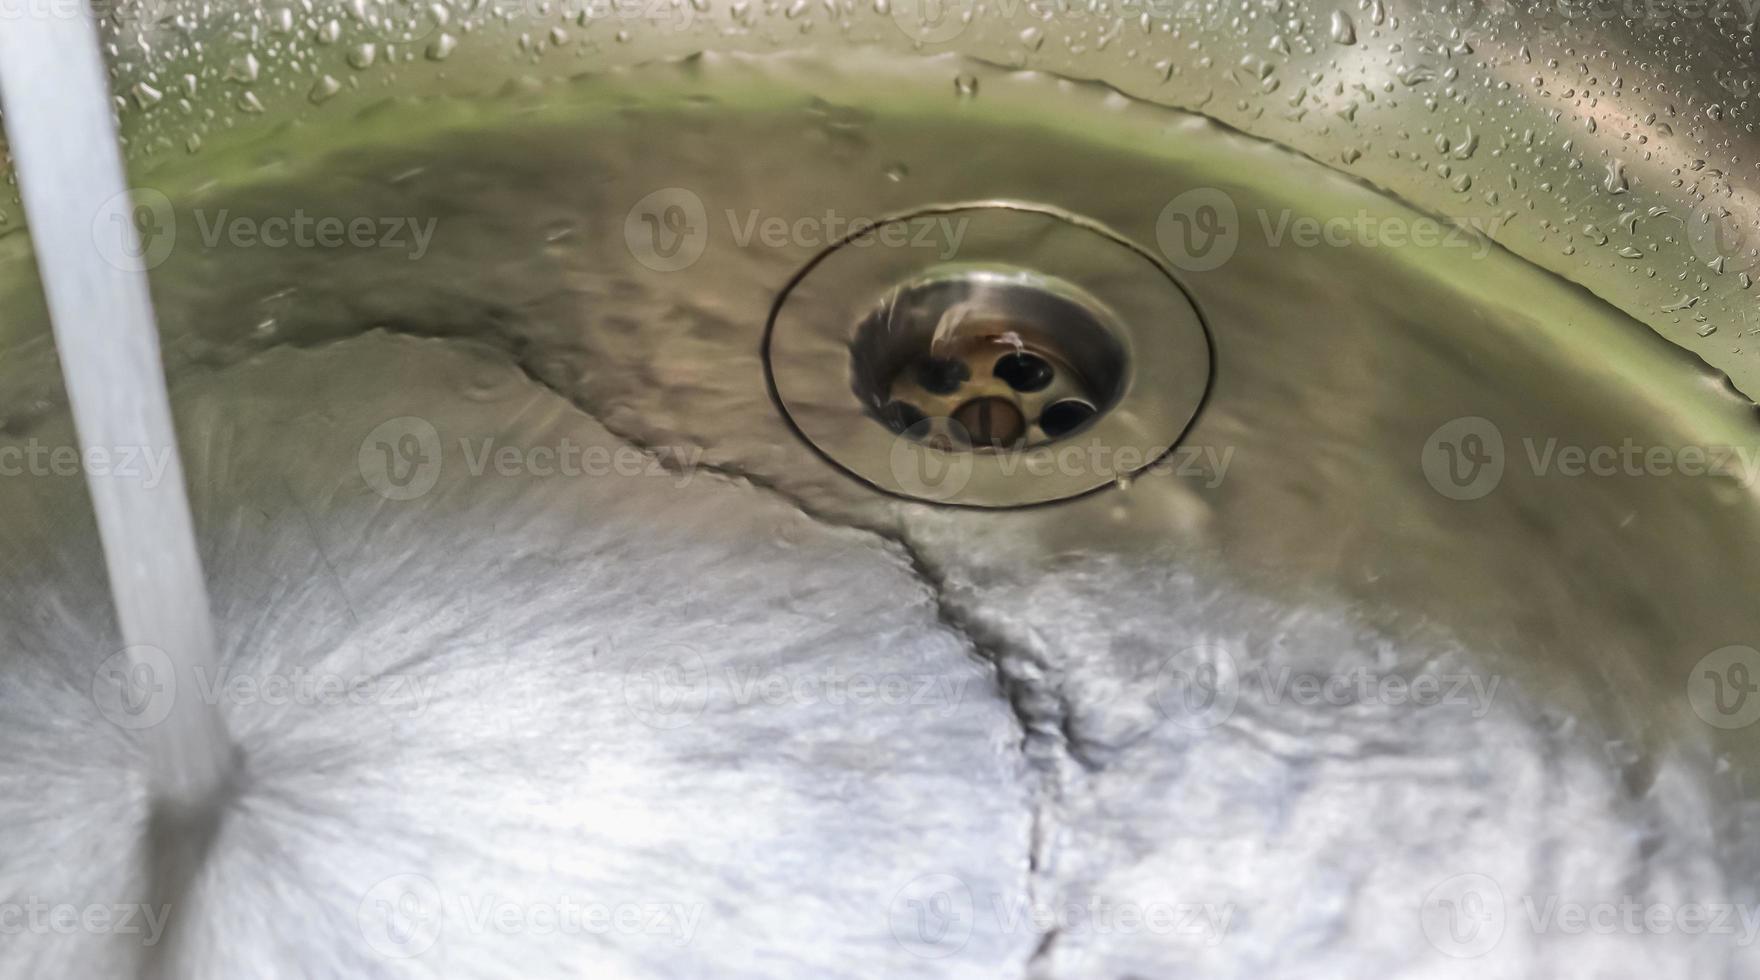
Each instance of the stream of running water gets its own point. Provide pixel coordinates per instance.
(59, 123)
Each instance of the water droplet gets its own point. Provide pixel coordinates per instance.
(1616, 178)
(146, 96)
(323, 89)
(1033, 38)
(362, 56)
(441, 47)
(1343, 30)
(897, 172)
(966, 86)
(243, 68)
(1417, 75)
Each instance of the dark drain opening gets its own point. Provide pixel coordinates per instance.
(1024, 372)
(991, 360)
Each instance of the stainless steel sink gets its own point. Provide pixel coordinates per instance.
(590, 602)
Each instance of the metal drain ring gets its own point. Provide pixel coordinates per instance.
(810, 345)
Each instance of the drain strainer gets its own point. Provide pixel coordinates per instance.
(1050, 359)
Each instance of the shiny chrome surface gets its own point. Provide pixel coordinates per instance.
(1403, 655)
(869, 315)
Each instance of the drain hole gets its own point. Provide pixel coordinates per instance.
(1024, 372)
(1062, 418)
(941, 375)
(994, 359)
(993, 422)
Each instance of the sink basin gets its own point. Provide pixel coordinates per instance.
(587, 604)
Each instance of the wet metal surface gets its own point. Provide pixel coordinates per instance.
(1400, 631)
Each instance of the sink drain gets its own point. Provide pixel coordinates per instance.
(1051, 359)
(987, 358)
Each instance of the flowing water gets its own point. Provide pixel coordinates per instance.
(58, 122)
(548, 648)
